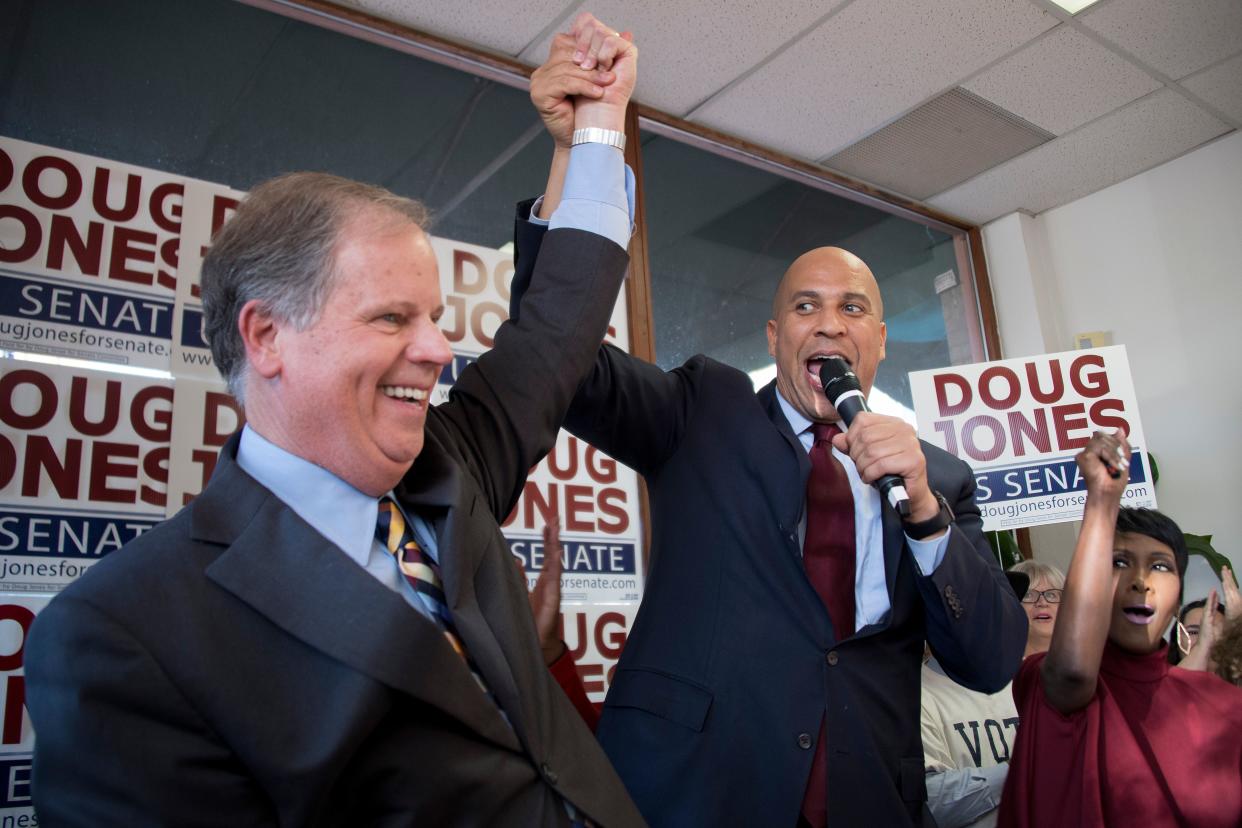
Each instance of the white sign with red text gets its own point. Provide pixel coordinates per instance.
(1019, 422)
(207, 207)
(17, 613)
(88, 255)
(205, 415)
(84, 462)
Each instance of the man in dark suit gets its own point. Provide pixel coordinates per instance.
(333, 633)
(754, 689)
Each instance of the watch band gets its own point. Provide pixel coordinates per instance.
(599, 135)
(924, 528)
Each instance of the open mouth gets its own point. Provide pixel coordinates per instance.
(1043, 616)
(1139, 614)
(406, 394)
(813, 364)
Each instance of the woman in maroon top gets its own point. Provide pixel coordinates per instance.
(1111, 733)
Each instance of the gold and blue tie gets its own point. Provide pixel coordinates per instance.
(423, 574)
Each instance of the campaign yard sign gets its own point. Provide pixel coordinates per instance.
(83, 468)
(17, 613)
(1019, 423)
(88, 256)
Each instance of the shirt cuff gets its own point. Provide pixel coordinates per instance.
(533, 218)
(929, 553)
(598, 196)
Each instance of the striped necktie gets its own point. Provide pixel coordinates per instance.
(423, 573)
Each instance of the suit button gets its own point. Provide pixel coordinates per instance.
(832, 658)
(804, 741)
(548, 773)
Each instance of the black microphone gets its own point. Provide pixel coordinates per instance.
(846, 396)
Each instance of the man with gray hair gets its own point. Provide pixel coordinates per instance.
(333, 632)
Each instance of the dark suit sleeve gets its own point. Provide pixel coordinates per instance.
(975, 623)
(505, 410)
(117, 743)
(527, 239)
(634, 411)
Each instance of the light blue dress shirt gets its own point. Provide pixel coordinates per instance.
(584, 205)
(333, 508)
(871, 603)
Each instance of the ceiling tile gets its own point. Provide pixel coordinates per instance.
(944, 142)
(1176, 37)
(1062, 81)
(1135, 138)
(504, 27)
(679, 71)
(1221, 87)
(865, 66)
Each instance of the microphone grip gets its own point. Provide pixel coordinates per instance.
(849, 405)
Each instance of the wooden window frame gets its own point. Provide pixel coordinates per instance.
(968, 239)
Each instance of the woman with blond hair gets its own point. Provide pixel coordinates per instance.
(1041, 602)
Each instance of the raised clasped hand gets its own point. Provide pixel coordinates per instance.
(1105, 464)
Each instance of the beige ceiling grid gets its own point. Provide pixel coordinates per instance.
(977, 107)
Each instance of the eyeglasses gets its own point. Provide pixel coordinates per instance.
(1052, 596)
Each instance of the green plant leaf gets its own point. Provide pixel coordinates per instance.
(1201, 545)
(1004, 545)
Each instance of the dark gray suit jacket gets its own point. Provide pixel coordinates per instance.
(732, 661)
(232, 667)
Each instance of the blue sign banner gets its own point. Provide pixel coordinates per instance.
(68, 535)
(102, 310)
(581, 557)
(1054, 478)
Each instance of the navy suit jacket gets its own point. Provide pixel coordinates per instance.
(732, 661)
(233, 667)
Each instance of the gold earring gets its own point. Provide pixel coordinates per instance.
(1182, 631)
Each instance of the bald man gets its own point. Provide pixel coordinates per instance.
(746, 694)
(772, 674)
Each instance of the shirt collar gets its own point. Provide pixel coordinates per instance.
(796, 421)
(333, 508)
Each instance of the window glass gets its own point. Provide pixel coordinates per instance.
(722, 232)
(224, 92)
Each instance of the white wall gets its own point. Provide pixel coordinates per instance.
(1156, 260)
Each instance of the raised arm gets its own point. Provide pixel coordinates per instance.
(1072, 666)
(505, 410)
(577, 72)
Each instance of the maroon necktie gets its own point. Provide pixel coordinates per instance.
(828, 554)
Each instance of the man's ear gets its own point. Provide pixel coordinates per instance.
(259, 330)
(771, 330)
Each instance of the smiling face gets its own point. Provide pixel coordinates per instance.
(1145, 594)
(1042, 616)
(351, 391)
(828, 304)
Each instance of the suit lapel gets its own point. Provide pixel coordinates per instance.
(294, 577)
(772, 406)
(435, 490)
(894, 547)
(804, 602)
